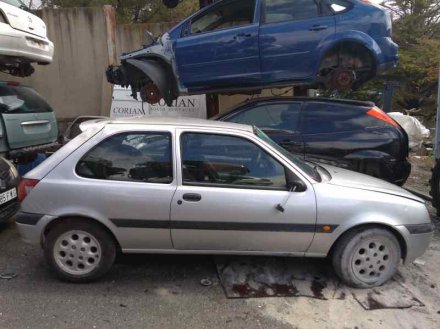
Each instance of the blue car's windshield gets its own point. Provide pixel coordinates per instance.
(308, 169)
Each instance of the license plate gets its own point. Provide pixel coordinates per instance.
(37, 44)
(8, 196)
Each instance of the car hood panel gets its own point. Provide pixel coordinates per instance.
(352, 179)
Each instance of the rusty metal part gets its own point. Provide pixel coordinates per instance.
(150, 93)
(21, 70)
(157, 74)
(341, 79)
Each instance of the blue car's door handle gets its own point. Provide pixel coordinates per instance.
(318, 28)
(242, 35)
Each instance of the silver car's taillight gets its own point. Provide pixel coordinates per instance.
(25, 187)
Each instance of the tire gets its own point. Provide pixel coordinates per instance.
(366, 257)
(78, 250)
(434, 182)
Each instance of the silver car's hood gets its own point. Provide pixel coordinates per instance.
(348, 178)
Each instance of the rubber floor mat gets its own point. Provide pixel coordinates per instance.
(254, 277)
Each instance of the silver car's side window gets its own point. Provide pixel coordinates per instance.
(140, 157)
(228, 161)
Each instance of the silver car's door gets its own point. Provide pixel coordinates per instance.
(130, 177)
(227, 197)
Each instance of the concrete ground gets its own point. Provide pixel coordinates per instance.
(165, 292)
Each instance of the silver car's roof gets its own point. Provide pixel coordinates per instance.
(181, 121)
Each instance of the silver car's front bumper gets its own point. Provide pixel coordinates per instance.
(417, 239)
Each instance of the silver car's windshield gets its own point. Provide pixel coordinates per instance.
(310, 170)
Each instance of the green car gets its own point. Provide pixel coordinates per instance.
(28, 124)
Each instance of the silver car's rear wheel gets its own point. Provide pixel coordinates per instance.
(79, 250)
(367, 257)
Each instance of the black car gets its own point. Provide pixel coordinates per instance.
(9, 180)
(350, 134)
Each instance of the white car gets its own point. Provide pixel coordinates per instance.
(23, 39)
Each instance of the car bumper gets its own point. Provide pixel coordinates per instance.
(19, 44)
(31, 226)
(9, 210)
(390, 55)
(396, 172)
(51, 147)
(384, 67)
(417, 239)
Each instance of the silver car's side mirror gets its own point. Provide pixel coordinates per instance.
(293, 183)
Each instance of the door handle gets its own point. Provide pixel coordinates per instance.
(242, 35)
(290, 143)
(192, 197)
(34, 123)
(318, 27)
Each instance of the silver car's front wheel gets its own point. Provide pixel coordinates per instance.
(367, 257)
(79, 250)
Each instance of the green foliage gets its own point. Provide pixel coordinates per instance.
(417, 31)
(134, 11)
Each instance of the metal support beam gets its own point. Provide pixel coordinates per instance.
(437, 125)
(212, 105)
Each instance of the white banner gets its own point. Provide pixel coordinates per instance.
(124, 106)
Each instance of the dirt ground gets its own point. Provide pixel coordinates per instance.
(420, 173)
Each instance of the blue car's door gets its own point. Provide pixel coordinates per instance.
(220, 47)
(290, 31)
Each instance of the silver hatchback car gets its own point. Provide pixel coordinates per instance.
(207, 187)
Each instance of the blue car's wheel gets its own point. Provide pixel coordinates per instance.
(346, 66)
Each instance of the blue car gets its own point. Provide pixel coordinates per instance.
(247, 45)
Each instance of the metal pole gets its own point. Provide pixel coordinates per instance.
(437, 125)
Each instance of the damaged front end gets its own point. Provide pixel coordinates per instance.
(148, 71)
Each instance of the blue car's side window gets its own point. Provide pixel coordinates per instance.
(227, 14)
(276, 11)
